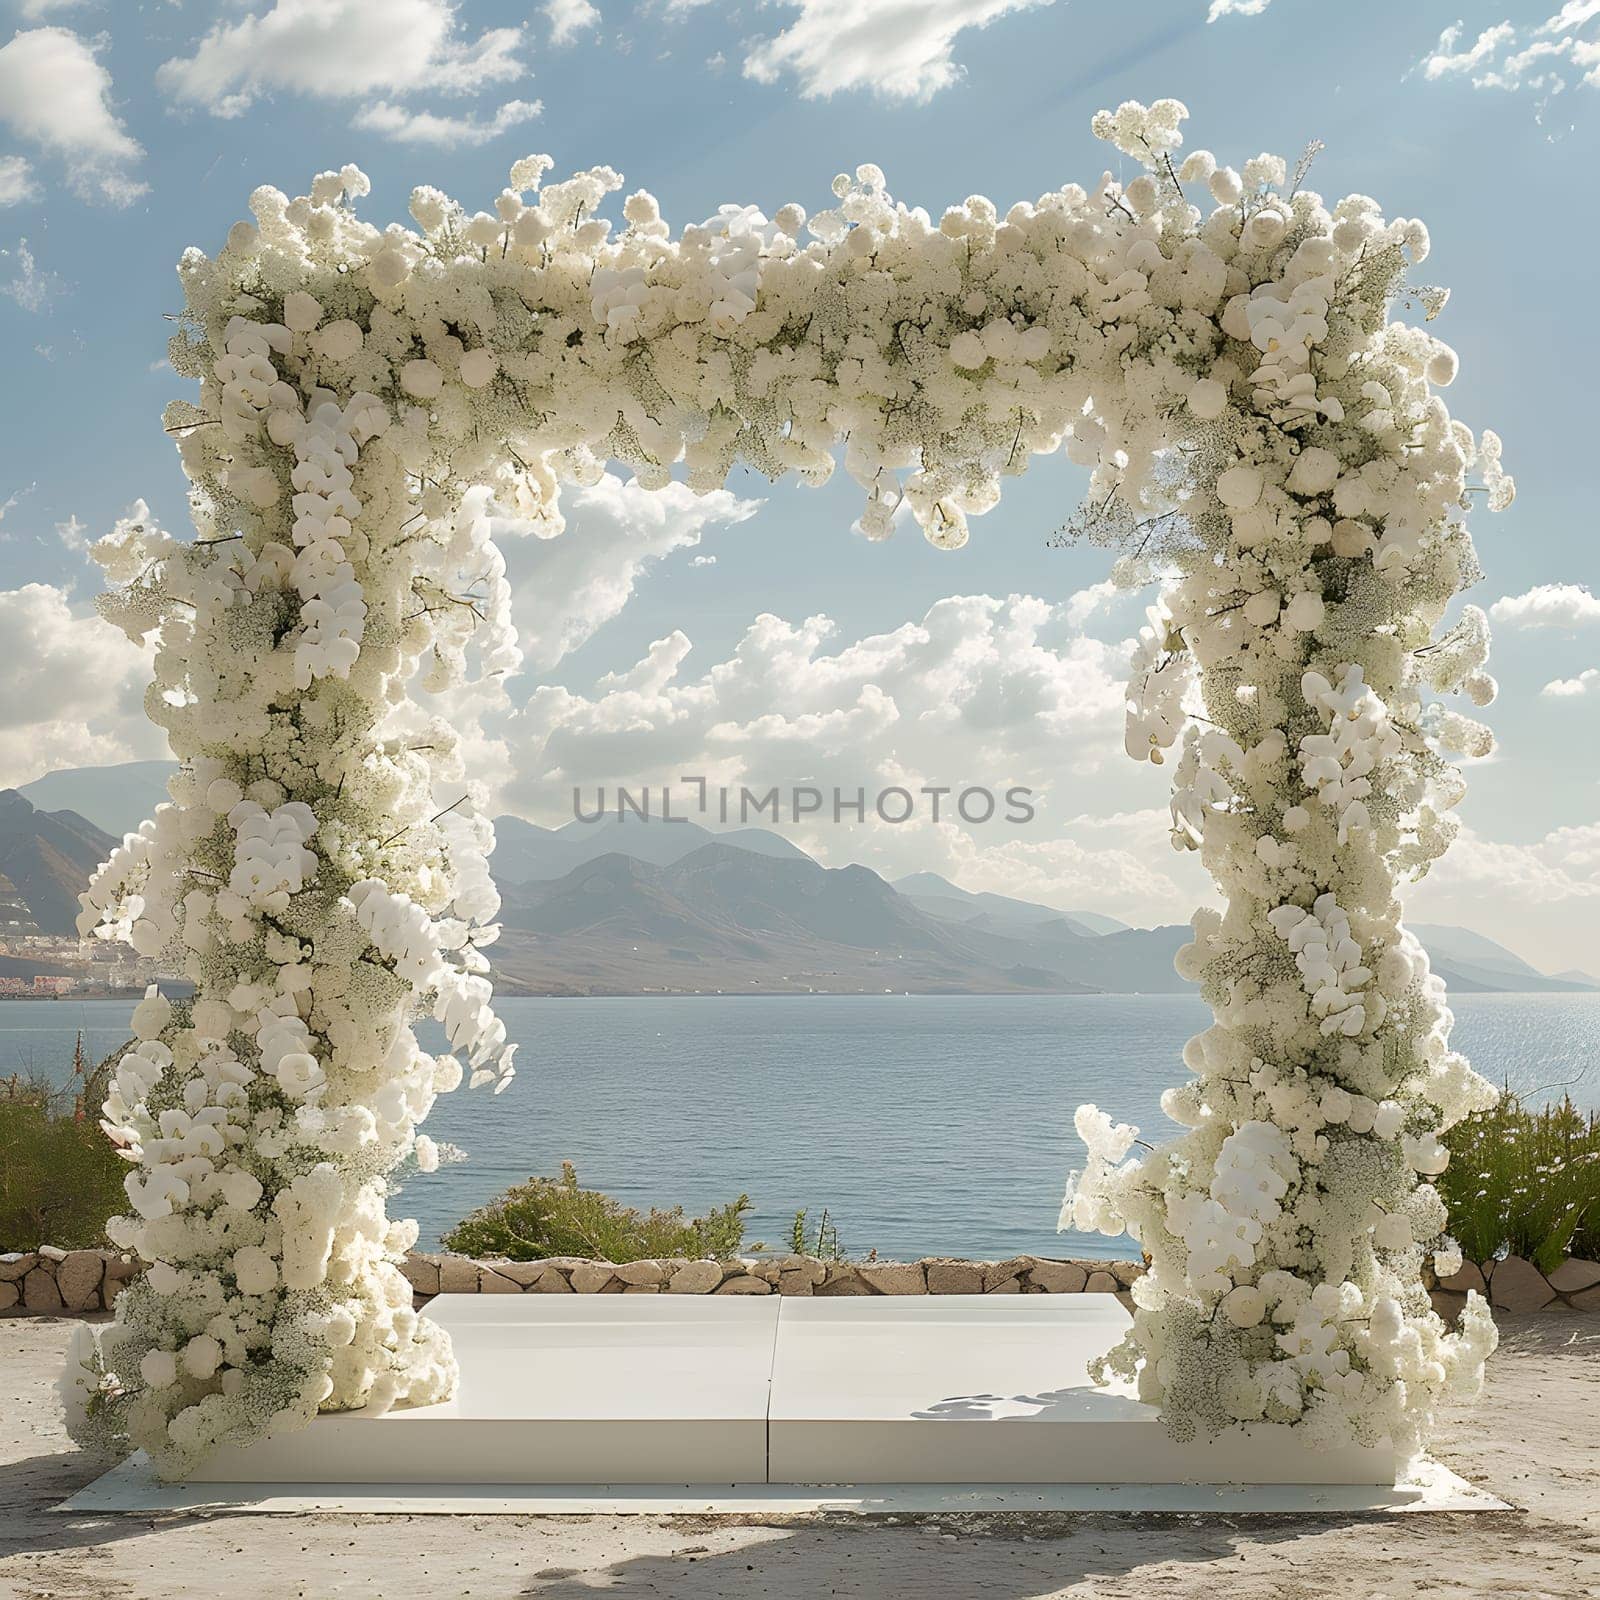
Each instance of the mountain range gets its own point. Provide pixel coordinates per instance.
(627, 906)
(46, 858)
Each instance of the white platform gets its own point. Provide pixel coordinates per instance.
(559, 1389)
(857, 1384)
(134, 1488)
(658, 1403)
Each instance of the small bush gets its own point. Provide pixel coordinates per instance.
(60, 1177)
(823, 1243)
(1525, 1180)
(554, 1217)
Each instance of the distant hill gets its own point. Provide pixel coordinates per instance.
(1471, 962)
(724, 919)
(46, 858)
(526, 853)
(941, 898)
(116, 799)
(626, 905)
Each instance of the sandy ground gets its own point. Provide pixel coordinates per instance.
(1534, 1440)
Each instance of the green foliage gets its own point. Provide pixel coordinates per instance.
(824, 1243)
(60, 1177)
(554, 1217)
(1528, 1180)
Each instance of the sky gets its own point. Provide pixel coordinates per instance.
(752, 637)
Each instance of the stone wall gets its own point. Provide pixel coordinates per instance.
(804, 1275)
(1515, 1284)
(51, 1282)
(47, 1281)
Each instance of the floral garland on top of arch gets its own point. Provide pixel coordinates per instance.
(1262, 438)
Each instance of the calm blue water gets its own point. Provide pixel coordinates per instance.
(925, 1124)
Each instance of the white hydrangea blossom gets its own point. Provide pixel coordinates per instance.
(368, 397)
(1287, 1226)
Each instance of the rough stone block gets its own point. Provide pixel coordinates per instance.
(10, 1294)
(996, 1272)
(422, 1273)
(590, 1277)
(522, 1273)
(954, 1277)
(458, 1275)
(39, 1291)
(1101, 1283)
(50, 1252)
(696, 1277)
(842, 1287)
(1058, 1277)
(17, 1264)
(78, 1278)
(1448, 1304)
(551, 1281)
(745, 1284)
(1005, 1286)
(893, 1277)
(641, 1272)
(796, 1282)
(1575, 1275)
(1469, 1277)
(493, 1281)
(814, 1271)
(1517, 1285)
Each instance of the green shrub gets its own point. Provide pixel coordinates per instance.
(1526, 1180)
(824, 1243)
(60, 1177)
(554, 1217)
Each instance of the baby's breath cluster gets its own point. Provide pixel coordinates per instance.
(1259, 435)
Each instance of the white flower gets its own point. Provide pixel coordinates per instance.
(1256, 430)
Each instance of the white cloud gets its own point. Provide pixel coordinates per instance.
(564, 589)
(1098, 596)
(1572, 15)
(1121, 865)
(55, 95)
(71, 688)
(976, 685)
(38, 10)
(1446, 60)
(978, 692)
(1494, 61)
(1236, 8)
(899, 49)
(9, 504)
(74, 535)
(569, 18)
(29, 285)
(428, 127)
(340, 50)
(1541, 899)
(16, 181)
(1566, 688)
(1547, 605)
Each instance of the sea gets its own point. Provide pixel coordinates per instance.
(921, 1125)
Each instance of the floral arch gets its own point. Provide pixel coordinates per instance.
(1263, 439)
